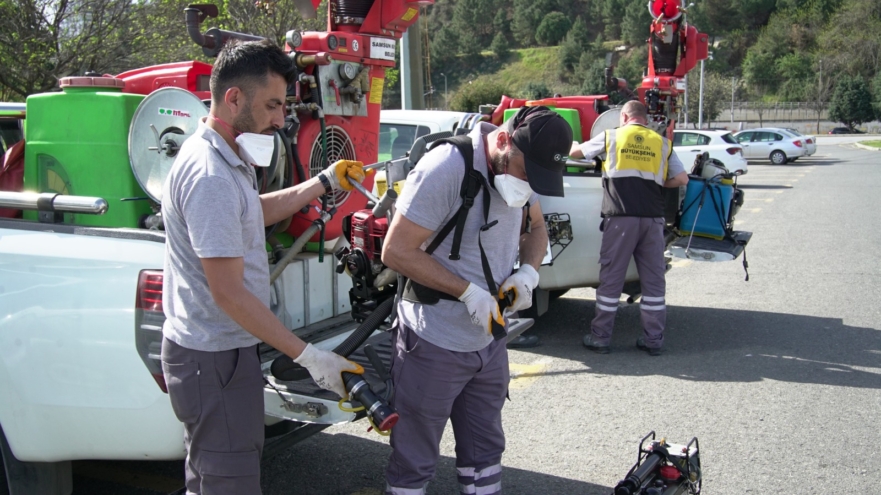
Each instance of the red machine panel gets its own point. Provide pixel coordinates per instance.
(192, 76)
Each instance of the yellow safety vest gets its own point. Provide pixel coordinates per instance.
(637, 159)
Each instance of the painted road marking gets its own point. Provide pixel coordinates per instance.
(106, 472)
(524, 375)
(753, 210)
(765, 191)
(766, 200)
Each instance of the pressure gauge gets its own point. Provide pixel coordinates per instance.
(348, 71)
(332, 42)
(294, 38)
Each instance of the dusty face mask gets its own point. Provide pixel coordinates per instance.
(256, 148)
(516, 192)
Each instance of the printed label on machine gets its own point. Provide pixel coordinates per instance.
(382, 48)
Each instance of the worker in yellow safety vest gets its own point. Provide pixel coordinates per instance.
(639, 163)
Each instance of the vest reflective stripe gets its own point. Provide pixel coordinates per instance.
(637, 151)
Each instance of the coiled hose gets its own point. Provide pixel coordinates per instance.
(284, 368)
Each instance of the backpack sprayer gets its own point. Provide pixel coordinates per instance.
(663, 469)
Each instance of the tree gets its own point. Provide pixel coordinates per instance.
(818, 94)
(42, 41)
(851, 41)
(473, 21)
(552, 29)
(528, 14)
(851, 103)
(500, 46)
(574, 44)
(797, 77)
(535, 91)
(592, 72)
(876, 91)
(717, 91)
(635, 23)
(501, 23)
(444, 48)
(470, 96)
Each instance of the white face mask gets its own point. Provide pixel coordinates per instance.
(516, 192)
(256, 148)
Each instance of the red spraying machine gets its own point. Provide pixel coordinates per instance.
(334, 104)
(675, 48)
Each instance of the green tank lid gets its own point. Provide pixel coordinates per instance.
(569, 114)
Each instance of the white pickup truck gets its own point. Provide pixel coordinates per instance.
(80, 332)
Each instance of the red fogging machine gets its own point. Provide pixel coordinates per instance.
(675, 48)
(663, 469)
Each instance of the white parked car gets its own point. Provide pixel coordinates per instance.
(721, 145)
(777, 145)
(398, 129)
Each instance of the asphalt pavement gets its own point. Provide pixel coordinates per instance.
(778, 377)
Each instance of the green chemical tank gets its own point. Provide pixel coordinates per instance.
(77, 143)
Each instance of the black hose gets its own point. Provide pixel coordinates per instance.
(301, 174)
(366, 328)
(285, 369)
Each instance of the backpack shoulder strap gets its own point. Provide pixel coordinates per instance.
(471, 184)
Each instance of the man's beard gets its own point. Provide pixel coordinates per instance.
(245, 122)
(498, 162)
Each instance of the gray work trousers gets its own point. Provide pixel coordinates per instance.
(433, 385)
(218, 396)
(642, 238)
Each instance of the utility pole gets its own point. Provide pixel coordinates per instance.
(819, 91)
(733, 85)
(446, 100)
(700, 104)
(686, 100)
(412, 97)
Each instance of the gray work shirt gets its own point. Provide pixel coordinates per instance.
(430, 198)
(211, 209)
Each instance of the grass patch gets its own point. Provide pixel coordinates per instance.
(874, 144)
(521, 67)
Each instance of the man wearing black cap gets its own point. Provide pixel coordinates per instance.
(450, 361)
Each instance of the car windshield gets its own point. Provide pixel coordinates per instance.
(728, 138)
(395, 140)
(793, 131)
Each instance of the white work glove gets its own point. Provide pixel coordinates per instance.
(521, 283)
(326, 368)
(482, 307)
(340, 174)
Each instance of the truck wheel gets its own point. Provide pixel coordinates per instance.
(778, 157)
(25, 478)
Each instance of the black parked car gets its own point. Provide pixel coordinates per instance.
(845, 130)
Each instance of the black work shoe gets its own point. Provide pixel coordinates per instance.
(524, 342)
(591, 344)
(653, 351)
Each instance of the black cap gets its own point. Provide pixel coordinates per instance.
(545, 139)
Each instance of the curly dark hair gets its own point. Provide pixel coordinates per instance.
(245, 64)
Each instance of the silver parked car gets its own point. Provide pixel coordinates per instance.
(810, 141)
(777, 145)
